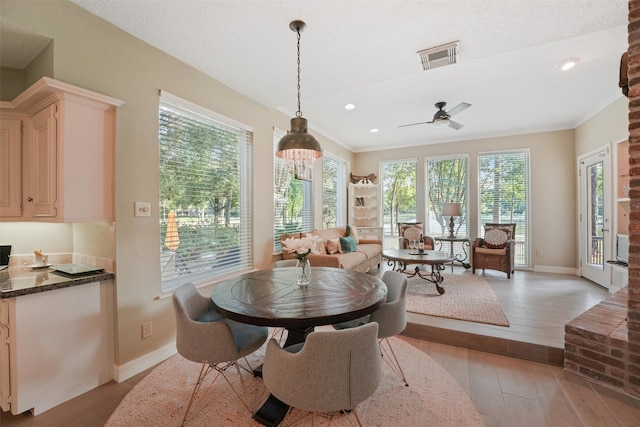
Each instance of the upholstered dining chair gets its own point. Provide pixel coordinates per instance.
(279, 333)
(391, 319)
(496, 250)
(408, 231)
(203, 336)
(331, 371)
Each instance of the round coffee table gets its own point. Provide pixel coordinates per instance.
(399, 259)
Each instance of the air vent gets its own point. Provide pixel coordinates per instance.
(439, 56)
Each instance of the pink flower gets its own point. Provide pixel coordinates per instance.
(302, 246)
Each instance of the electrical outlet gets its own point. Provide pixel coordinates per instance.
(146, 330)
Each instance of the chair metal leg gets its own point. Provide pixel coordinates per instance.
(204, 371)
(393, 364)
(220, 368)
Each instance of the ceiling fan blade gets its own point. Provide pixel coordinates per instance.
(455, 125)
(458, 109)
(413, 124)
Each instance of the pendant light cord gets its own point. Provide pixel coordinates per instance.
(299, 112)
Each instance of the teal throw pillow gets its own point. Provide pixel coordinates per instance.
(348, 244)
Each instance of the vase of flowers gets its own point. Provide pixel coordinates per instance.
(303, 270)
(302, 247)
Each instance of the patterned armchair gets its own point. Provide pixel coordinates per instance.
(496, 250)
(408, 231)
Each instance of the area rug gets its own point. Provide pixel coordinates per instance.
(433, 398)
(466, 297)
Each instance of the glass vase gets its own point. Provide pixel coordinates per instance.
(303, 270)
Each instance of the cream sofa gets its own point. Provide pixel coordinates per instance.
(368, 253)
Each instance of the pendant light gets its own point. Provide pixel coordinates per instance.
(298, 145)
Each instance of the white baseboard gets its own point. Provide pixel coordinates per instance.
(553, 269)
(134, 367)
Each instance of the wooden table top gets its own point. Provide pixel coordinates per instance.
(410, 256)
(273, 298)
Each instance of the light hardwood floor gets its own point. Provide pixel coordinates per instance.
(507, 391)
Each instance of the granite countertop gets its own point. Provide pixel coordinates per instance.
(17, 281)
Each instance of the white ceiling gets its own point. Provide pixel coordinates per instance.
(364, 52)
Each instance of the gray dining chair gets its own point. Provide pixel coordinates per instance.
(391, 318)
(331, 371)
(203, 336)
(279, 333)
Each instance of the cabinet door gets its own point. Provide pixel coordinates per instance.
(10, 167)
(41, 168)
(5, 342)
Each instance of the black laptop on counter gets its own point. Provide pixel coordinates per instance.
(5, 251)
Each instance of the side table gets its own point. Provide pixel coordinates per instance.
(457, 257)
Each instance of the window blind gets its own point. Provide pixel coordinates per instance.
(205, 193)
(503, 196)
(447, 180)
(334, 185)
(398, 180)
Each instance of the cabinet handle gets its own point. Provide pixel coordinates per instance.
(29, 199)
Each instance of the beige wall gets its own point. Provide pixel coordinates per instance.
(608, 126)
(553, 183)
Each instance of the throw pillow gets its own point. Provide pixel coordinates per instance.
(352, 230)
(348, 244)
(333, 246)
(495, 238)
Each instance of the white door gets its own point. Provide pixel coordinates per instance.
(595, 217)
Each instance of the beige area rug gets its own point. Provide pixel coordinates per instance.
(433, 398)
(466, 297)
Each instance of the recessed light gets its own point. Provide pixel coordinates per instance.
(568, 64)
(374, 130)
(349, 107)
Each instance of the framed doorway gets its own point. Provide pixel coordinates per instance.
(595, 204)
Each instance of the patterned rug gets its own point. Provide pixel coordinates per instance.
(433, 398)
(466, 297)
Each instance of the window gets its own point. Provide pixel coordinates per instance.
(503, 196)
(205, 193)
(446, 182)
(334, 184)
(292, 198)
(398, 180)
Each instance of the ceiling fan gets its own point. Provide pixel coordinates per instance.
(442, 118)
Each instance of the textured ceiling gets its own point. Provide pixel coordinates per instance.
(364, 52)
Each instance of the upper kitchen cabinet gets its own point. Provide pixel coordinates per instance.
(10, 165)
(68, 148)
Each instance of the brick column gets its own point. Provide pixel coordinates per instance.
(633, 304)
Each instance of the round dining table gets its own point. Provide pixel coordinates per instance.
(273, 298)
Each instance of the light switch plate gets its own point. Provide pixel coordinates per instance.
(142, 208)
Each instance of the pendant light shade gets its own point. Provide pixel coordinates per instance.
(298, 145)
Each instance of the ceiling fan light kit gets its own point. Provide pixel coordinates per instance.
(442, 118)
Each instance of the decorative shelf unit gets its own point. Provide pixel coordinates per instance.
(364, 210)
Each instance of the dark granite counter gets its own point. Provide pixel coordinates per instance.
(17, 281)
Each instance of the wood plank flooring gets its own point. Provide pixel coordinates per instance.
(537, 305)
(507, 391)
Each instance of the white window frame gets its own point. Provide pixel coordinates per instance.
(523, 231)
(209, 261)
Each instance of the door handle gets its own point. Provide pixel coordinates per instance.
(605, 230)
